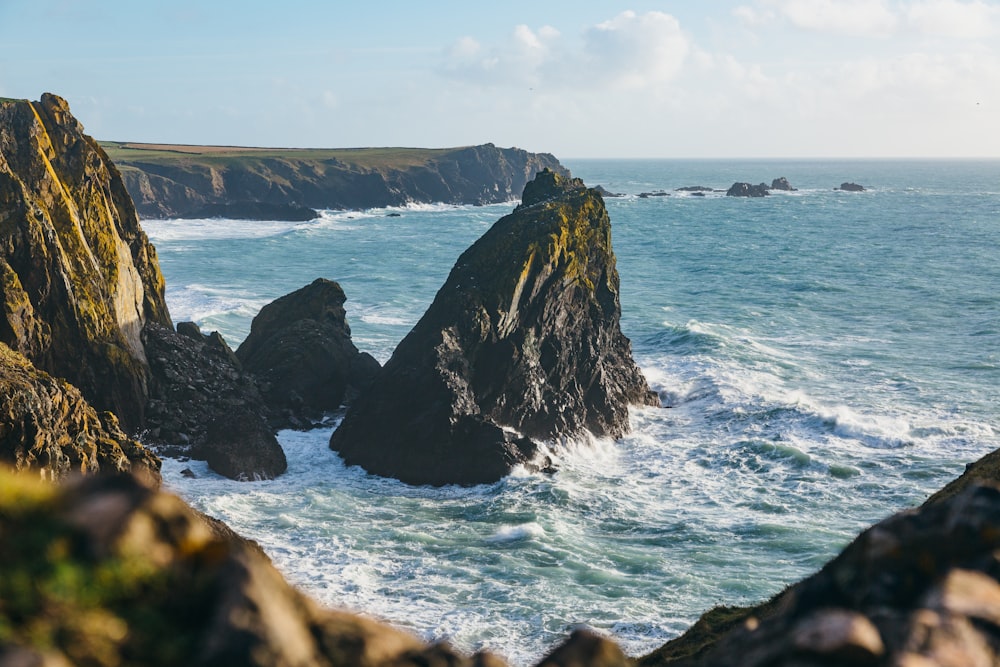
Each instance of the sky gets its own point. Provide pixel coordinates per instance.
(668, 79)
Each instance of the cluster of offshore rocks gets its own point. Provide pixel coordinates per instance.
(738, 189)
(520, 347)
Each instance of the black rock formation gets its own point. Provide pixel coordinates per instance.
(747, 190)
(202, 404)
(301, 352)
(600, 189)
(782, 183)
(694, 188)
(254, 210)
(851, 187)
(522, 342)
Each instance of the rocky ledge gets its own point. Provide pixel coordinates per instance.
(521, 344)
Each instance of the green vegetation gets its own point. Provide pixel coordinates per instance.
(123, 153)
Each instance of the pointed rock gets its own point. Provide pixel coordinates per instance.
(522, 343)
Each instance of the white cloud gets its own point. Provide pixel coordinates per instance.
(634, 50)
(844, 17)
(951, 18)
(629, 51)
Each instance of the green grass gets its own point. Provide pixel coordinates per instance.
(124, 153)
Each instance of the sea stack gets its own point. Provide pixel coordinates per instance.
(78, 277)
(522, 344)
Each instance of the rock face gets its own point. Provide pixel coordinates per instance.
(182, 184)
(203, 402)
(782, 183)
(254, 210)
(300, 350)
(524, 334)
(78, 277)
(851, 187)
(107, 572)
(47, 427)
(747, 190)
(919, 588)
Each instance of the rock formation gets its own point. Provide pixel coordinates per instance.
(78, 277)
(178, 182)
(107, 572)
(522, 340)
(694, 188)
(919, 588)
(851, 187)
(782, 183)
(254, 210)
(47, 427)
(747, 190)
(203, 405)
(300, 350)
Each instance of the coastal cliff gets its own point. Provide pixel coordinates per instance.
(78, 276)
(210, 181)
(522, 343)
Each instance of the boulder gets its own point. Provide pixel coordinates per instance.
(747, 190)
(919, 588)
(78, 276)
(782, 183)
(107, 572)
(851, 187)
(300, 350)
(202, 404)
(521, 344)
(47, 427)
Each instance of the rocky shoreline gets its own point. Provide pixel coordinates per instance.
(104, 569)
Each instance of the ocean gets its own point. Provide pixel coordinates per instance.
(825, 359)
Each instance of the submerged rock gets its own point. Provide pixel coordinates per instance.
(78, 276)
(919, 588)
(747, 190)
(203, 404)
(47, 427)
(106, 572)
(522, 343)
(300, 350)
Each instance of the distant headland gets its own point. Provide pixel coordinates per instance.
(181, 181)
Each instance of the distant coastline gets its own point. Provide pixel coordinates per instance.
(186, 181)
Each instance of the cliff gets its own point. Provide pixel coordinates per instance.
(78, 276)
(523, 337)
(204, 181)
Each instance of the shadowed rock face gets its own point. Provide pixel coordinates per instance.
(300, 350)
(78, 277)
(919, 588)
(47, 427)
(524, 334)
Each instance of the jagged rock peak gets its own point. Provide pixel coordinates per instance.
(522, 343)
(78, 277)
(301, 351)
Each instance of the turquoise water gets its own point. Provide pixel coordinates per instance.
(827, 358)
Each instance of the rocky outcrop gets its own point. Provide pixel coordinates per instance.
(174, 183)
(694, 188)
(521, 343)
(78, 277)
(984, 471)
(203, 405)
(851, 187)
(601, 190)
(107, 572)
(919, 588)
(48, 428)
(255, 210)
(782, 183)
(747, 190)
(301, 352)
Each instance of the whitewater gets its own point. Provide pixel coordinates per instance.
(825, 359)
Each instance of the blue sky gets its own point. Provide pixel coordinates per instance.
(747, 78)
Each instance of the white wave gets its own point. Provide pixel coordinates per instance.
(525, 531)
(163, 231)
